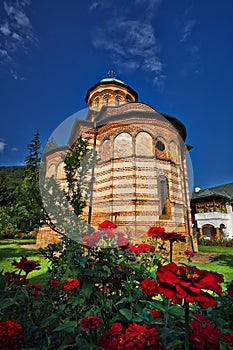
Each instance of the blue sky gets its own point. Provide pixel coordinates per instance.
(176, 54)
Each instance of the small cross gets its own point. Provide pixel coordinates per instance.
(112, 74)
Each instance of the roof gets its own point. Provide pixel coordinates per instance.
(109, 81)
(225, 191)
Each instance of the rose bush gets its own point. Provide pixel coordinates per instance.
(111, 298)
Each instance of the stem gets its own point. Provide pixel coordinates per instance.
(171, 251)
(186, 309)
(166, 322)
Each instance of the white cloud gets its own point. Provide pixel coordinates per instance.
(15, 75)
(187, 30)
(132, 45)
(2, 146)
(16, 31)
(14, 149)
(4, 29)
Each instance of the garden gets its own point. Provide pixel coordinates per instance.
(82, 296)
(102, 292)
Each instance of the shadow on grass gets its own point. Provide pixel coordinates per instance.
(14, 251)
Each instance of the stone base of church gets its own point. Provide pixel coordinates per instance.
(46, 236)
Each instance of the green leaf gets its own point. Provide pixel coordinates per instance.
(6, 303)
(224, 346)
(68, 327)
(174, 344)
(87, 288)
(126, 313)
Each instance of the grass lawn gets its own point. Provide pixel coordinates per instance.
(223, 263)
(13, 251)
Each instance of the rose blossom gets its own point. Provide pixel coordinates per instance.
(189, 252)
(53, 282)
(228, 338)
(90, 322)
(71, 283)
(188, 283)
(149, 288)
(230, 289)
(11, 335)
(203, 334)
(107, 224)
(27, 265)
(155, 232)
(156, 313)
(109, 340)
(140, 337)
(36, 288)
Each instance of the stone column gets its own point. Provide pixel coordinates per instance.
(200, 232)
(217, 233)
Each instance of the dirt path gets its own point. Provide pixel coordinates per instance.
(204, 258)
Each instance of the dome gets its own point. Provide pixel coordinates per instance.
(109, 92)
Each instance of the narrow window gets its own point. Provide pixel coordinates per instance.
(163, 195)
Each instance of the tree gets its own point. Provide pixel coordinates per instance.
(29, 213)
(64, 207)
(3, 190)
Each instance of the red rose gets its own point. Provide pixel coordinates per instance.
(203, 334)
(116, 328)
(109, 340)
(187, 282)
(135, 249)
(15, 278)
(54, 283)
(71, 283)
(228, 338)
(146, 248)
(90, 322)
(27, 265)
(155, 232)
(156, 314)
(189, 252)
(173, 237)
(149, 288)
(140, 337)
(107, 224)
(230, 289)
(11, 335)
(36, 288)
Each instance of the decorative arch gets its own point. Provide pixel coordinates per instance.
(60, 171)
(209, 231)
(51, 171)
(143, 144)
(118, 100)
(123, 145)
(106, 150)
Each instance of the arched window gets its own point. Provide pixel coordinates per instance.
(118, 99)
(123, 145)
(144, 144)
(97, 103)
(163, 193)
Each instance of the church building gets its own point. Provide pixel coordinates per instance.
(141, 173)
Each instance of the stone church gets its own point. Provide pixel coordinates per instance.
(141, 174)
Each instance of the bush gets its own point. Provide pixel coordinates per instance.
(215, 242)
(110, 298)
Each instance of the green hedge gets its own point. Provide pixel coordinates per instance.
(215, 242)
